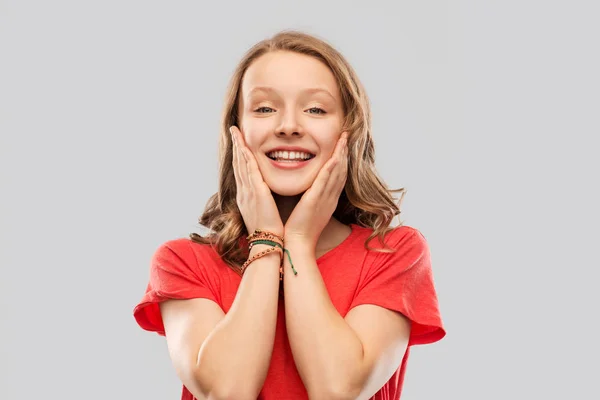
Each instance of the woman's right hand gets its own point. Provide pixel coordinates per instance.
(253, 195)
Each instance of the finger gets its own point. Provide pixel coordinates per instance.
(341, 144)
(338, 157)
(343, 175)
(344, 163)
(255, 178)
(319, 186)
(334, 176)
(235, 160)
(240, 168)
(242, 163)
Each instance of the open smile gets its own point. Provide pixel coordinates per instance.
(289, 159)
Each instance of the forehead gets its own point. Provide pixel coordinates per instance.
(288, 73)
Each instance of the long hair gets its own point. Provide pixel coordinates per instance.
(365, 201)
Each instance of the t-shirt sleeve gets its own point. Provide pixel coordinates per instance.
(403, 281)
(175, 273)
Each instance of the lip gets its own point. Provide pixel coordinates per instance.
(289, 164)
(290, 148)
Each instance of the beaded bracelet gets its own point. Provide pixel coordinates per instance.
(259, 255)
(272, 243)
(264, 237)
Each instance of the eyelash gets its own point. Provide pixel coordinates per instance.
(321, 111)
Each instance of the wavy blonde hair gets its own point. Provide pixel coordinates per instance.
(365, 201)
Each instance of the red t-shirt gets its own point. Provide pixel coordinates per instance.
(400, 281)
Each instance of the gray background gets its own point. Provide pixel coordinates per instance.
(487, 112)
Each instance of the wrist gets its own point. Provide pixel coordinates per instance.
(261, 251)
(257, 248)
(295, 241)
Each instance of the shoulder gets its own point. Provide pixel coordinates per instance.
(186, 253)
(404, 236)
(403, 247)
(394, 238)
(179, 269)
(403, 232)
(179, 245)
(174, 249)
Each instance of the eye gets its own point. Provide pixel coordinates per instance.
(259, 110)
(319, 110)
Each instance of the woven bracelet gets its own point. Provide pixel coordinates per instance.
(259, 255)
(272, 243)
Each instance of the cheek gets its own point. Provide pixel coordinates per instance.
(256, 130)
(327, 144)
(326, 133)
(253, 137)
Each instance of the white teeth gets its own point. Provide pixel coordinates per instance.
(289, 155)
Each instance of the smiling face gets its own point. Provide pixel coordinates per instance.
(291, 117)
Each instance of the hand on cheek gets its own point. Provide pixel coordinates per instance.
(254, 199)
(315, 208)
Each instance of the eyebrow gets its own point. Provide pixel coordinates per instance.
(272, 90)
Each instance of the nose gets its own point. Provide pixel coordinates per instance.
(289, 125)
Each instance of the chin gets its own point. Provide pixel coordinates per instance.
(289, 190)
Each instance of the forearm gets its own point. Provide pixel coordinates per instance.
(327, 351)
(235, 357)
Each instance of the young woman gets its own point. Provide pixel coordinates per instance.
(302, 289)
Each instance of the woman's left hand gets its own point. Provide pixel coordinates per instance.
(315, 208)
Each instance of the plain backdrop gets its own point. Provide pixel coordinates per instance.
(485, 111)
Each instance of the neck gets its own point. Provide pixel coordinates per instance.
(285, 205)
